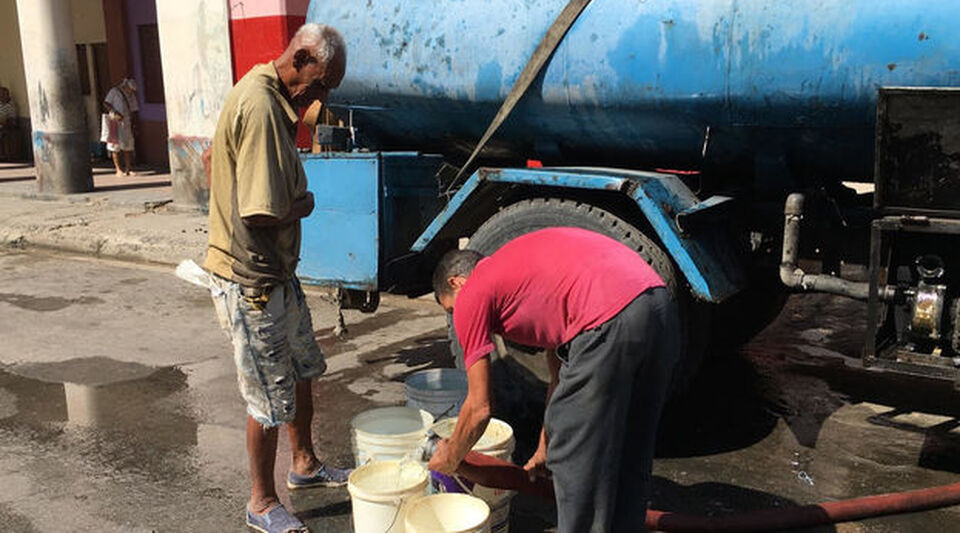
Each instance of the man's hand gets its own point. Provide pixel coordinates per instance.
(442, 460)
(536, 467)
(303, 206)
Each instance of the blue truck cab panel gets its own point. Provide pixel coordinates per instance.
(368, 209)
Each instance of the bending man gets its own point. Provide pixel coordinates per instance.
(611, 334)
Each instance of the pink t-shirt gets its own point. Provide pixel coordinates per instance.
(543, 288)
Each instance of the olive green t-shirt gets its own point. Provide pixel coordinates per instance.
(255, 170)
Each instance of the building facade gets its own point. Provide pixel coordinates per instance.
(184, 54)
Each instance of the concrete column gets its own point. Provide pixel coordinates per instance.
(195, 52)
(60, 147)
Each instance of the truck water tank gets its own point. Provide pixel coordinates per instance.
(640, 83)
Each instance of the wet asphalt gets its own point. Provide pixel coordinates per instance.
(119, 409)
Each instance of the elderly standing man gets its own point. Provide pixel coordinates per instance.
(610, 330)
(120, 105)
(258, 195)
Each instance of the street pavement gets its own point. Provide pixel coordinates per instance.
(119, 409)
(132, 218)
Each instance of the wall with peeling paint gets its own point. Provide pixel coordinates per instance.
(195, 50)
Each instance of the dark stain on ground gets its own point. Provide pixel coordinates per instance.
(132, 281)
(45, 303)
(716, 499)
(367, 325)
(725, 410)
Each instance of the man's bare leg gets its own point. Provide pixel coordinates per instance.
(262, 453)
(126, 162)
(304, 461)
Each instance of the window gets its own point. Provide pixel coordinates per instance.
(152, 83)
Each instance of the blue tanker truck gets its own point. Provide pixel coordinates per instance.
(709, 135)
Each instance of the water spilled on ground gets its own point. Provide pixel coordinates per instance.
(120, 437)
(792, 419)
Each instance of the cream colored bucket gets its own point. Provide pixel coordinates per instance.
(497, 441)
(448, 513)
(389, 433)
(382, 492)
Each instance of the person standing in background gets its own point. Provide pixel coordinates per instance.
(120, 104)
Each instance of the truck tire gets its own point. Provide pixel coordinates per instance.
(538, 213)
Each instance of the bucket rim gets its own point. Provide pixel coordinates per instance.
(388, 495)
(457, 375)
(427, 421)
(419, 502)
(507, 442)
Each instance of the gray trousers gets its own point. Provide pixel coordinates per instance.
(602, 418)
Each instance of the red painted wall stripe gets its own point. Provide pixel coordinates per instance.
(258, 40)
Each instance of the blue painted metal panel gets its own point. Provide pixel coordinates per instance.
(341, 238)
(641, 81)
(447, 213)
(705, 256)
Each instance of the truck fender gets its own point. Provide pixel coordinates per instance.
(687, 227)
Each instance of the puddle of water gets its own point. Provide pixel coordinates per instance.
(45, 303)
(114, 400)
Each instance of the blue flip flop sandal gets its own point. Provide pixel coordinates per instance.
(276, 520)
(325, 476)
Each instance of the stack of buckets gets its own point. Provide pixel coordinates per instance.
(497, 441)
(388, 490)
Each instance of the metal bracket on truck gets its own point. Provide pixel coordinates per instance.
(703, 252)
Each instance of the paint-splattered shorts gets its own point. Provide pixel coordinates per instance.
(273, 345)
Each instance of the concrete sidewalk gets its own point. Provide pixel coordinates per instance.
(125, 217)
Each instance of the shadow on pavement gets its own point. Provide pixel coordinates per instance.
(717, 499)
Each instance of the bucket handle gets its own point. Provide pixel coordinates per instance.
(398, 503)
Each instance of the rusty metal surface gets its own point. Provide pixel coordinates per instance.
(918, 151)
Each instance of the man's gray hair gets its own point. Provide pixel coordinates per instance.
(324, 40)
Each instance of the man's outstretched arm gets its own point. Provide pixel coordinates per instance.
(471, 422)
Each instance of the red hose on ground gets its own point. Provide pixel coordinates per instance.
(496, 473)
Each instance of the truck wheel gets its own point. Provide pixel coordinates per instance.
(538, 213)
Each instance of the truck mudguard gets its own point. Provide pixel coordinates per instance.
(703, 252)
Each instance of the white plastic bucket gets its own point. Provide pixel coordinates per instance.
(389, 433)
(448, 513)
(438, 391)
(382, 492)
(497, 441)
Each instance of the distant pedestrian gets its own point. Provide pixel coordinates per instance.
(258, 194)
(611, 334)
(120, 105)
(9, 131)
